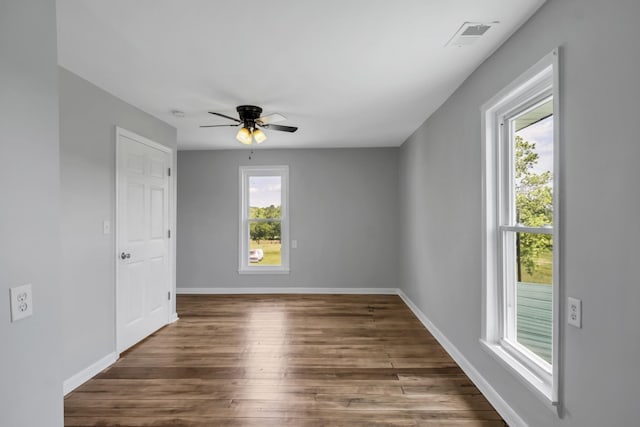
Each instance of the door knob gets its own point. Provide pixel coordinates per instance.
(125, 255)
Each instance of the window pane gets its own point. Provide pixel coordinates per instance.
(534, 292)
(265, 197)
(265, 247)
(533, 165)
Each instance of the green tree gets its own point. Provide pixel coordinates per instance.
(257, 231)
(534, 205)
(271, 212)
(275, 230)
(265, 230)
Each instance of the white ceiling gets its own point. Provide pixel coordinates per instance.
(348, 73)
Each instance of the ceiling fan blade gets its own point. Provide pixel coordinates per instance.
(217, 126)
(225, 116)
(271, 118)
(282, 128)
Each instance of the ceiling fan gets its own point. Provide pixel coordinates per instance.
(251, 122)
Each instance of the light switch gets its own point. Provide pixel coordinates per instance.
(294, 244)
(106, 227)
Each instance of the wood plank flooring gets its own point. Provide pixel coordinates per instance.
(284, 360)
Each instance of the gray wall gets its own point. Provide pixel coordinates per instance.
(441, 209)
(88, 117)
(343, 213)
(30, 377)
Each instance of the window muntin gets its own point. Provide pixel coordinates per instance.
(520, 241)
(264, 219)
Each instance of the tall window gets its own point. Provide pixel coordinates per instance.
(521, 218)
(264, 222)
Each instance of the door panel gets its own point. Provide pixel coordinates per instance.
(135, 212)
(134, 303)
(143, 253)
(157, 168)
(157, 275)
(158, 229)
(135, 162)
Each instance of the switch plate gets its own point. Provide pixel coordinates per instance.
(106, 227)
(574, 312)
(21, 302)
(294, 244)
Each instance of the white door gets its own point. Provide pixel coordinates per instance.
(142, 221)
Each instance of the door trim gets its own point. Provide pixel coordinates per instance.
(172, 315)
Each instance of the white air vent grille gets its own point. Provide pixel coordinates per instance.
(469, 33)
(476, 30)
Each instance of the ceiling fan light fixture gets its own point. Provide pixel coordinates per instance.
(259, 136)
(250, 119)
(244, 136)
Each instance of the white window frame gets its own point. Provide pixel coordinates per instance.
(245, 267)
(539, 82)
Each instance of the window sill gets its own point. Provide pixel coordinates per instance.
(541, 388)
(262, 270)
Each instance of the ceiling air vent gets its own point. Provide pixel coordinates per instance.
(469, 33)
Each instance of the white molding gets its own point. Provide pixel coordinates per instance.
(139, 138)
(173, 318)
(538, 82)
(89, 372)
(284, 290)
(507, 412)
(245, 172)
(523, 373)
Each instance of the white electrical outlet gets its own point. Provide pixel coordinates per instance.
(574, 312)
(21, 302)
(106, 226)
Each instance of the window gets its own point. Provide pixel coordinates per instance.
(520, 244)
(264, 219)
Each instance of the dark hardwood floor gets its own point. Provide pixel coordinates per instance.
(284, 360)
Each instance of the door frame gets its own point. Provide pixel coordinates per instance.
(172, 314)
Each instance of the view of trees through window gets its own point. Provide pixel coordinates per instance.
(534, 208)
(265, 202)
(533, 192)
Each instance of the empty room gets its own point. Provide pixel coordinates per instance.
(319, 213)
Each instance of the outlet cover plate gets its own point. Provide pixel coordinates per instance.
(21, 302)
(574, 312)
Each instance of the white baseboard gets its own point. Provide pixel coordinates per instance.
(89, 372)
(174, 317)
(301, 290)
(510, 416)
